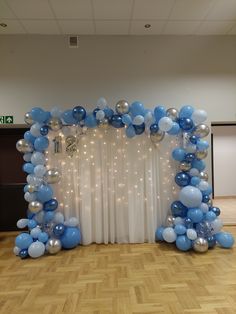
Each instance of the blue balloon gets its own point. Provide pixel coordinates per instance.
(23, 240)
(95, 111)
(215, 210)
(195, 181)
(178, 209)
(116, 121)
(70, 238)
(50, 205)
(198, 164)
(178, 154)
(205, 198)
(58, 230)
(90, 121)
(48, 217)
(183, 243)
(28, 167)
(30, 215)
(23, 253)
(189, 157)
(32, 223)
(79, 113)
(195, 214)
(210, 216)
(41, 143)
(186, 112)
(225, 239)
(44, 130)
(48, 116)
(193, 139)
(108, 112)
(130, 131)
(29, 137)
(139, 129)
(68, 118)
(175, 129)
(182, 179)
(137, 108)
(186, 124)
(211, 241)
(202, 145)
(154, 128)
(190, 196)
(126, 119)
(38, 115)
(158, 234)
(180, 229)
(44, 193)
(43, 237)
(159, 112)
(208, 191)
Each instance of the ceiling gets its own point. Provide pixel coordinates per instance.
(118, 17)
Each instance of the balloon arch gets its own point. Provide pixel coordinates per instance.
(193, 222)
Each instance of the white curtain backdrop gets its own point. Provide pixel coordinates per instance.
(120, 189)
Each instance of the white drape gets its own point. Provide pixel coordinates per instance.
(120, 189)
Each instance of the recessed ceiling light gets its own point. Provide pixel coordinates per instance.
(3, 24)
(147, 25)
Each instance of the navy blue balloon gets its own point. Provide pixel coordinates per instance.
(193, 139)
(79, 113)
(28, 167)
(116, 121)
(211, 241)
(189, 157)
(58, 230)
(215, 210)
(50, 205)
(29, 137)
(41, 143)
(70, 238)
(44, 130)
(205, 198)
(182, 179)
(95, 111)
(154, 128)
(186, 124)
(23, 253)
(139, 129)
(178, 209)
(188, 222)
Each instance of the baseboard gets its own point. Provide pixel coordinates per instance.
(225, 197)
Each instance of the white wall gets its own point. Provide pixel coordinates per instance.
(224, 140)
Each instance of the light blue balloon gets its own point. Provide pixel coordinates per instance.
(126, 119)
(22, 223)
(138, 120)
(190, 196)
(186, 112)
(68, 118)
(38, 115)
(210, 216)
(137, 108)
(175, 129)
(43, 237)
(90, 121)
(195, 181)
(178, 154)
(180, 229)
(130, 131)
(183, 243)
(28, 167)
(195, 214)
(35, 232)
(159, 112)
(38, 158)
(225, 239)
(32, 223)
(202, 145)
(36, 249)
(70, 238)
(39, 171)
(165, 124)
(29, 137)
(23, 240)
(45, 193)
(35, 129)
(198, 164)
(27, 157)
(41, 143)
(158, 234)
(48, 216)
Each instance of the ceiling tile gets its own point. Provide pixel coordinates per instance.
(31, 9)
(5, 11)
(232, 30)
(223, 10)
(137, 28)
(72, 9)
(214, 28)
(152, 9)
(41, 26)
(180, 28)
(112, 9)
(77, 27)
(112, 27)
(13, 27)
(190, 9)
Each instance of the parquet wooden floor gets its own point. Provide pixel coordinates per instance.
(118, 279)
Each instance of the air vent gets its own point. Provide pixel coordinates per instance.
(73, 41)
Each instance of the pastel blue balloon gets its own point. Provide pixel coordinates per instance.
(38, 158)
(32, 223)
(45, 193)
(108, 112)
(210, 216)
(178, 154)
(90, 121)
(202, 145)
(195, 181)
(180, 229)
(198, 164)
(126, 119)
(38, 115)
(43, 237)
(174, 129)
(70, 238)
(159, 112)
(68, 118)
(22, 223)
(208, 191)
(183, 243)
(41, 143)
(29, 137)
(48, 216)
(130, 131)
(225, 239)
(165, 124)
(137, 108)
(195, 214)
(190, 196)
(186, 112)
(39, 171)
(158, 234)
(27, 157)
(35, 129)
(23, 240)
(28, 167)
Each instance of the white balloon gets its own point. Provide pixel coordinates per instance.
(165, 124)
(16, 250)
(27, 157)
(191, 148)
(39, 171)
(22, 223)
(149, 118)
(199, 116)
(36, 249)
(204, 208)
(38, 158)
(203, 185)
(178, 221)
(35, 129)
(59, 218)
(191, 234)
(39, 216)
(30, 197)
(56, 112)
(100, 115)
(72, 222)
(138, 120)
(216, 225)
(30, 179)
(169, 235)
(101, 103)
(35, 232)
(194, 172)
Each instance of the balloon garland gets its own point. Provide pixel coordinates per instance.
(193, 222)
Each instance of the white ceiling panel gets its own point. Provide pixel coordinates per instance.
(152, 9)
(5, 11)
(47, 27)
(77, 27)
(31, 9)
(223, 10)
(190, 9)
(112, 9)
(112, 27)
(13, 27)
(180, 28)
(137, 28)
(214, 28)
(72, 9)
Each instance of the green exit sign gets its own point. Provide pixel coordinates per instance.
(6, 119)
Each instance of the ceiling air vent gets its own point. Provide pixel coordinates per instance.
(73, 41)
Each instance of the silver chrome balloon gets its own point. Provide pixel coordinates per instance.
(28, 118)
(157, 137)
(203, 175)
(103, 124)
(52, 176)
(200, 245)
(35, 206)
(201, 154)
(201, 130)
(53, 246)
(185, 166)
(172, 113)
(55, 124)
(122, 107)
(24, 147)
(170, 220)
